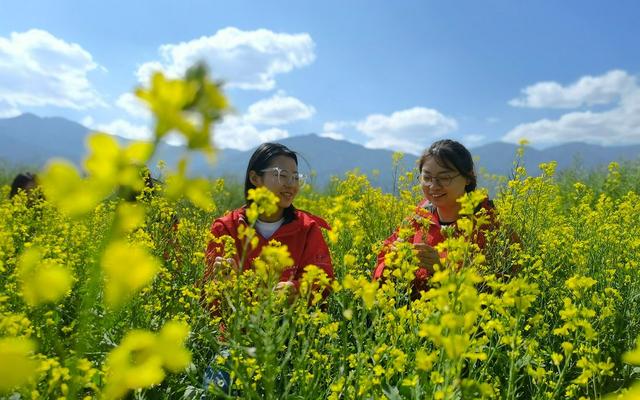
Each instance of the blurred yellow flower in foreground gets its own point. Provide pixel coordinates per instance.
(263, 201)
(188, 106)
(197, 190)
(134, 364)
(139, 360)
(111, 165)
(170, 346)
(16, 364)
(127, 269)
(68, 191)
(43, 281)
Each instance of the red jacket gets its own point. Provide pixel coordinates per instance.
(301, 235)
(434, 236)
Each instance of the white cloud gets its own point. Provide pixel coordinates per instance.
(7, 110)
(128, 130)
(39, 69)
(473, 140)
(587, 91)
(236, 133)
(279, 109)
(337, 125)
(408, 130)
(334, 129)
(174, 139)
(241, 132)
(617, 126)
(133, 106)
(88, 121)
(125, 129)
(244, 59)
(333, 135)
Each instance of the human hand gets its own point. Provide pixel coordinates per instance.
(223, 266)
(427, 255)
(283, 285)
(287, 287)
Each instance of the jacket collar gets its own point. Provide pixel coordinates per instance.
(290, 214)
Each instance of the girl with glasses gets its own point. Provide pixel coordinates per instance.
(275, 167)
(446, 173)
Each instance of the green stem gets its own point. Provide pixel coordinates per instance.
(512, 363)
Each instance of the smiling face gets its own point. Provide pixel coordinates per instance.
(442, 185)
(285, 189)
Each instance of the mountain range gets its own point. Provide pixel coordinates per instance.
(30, 140)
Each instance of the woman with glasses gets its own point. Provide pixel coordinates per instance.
(275, 167)
(446, 173)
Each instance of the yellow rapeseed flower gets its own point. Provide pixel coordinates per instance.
(266, 202)
(314, 280)
(349, 260)
(633, 357)
(127, 269)
(170, 345)
(71, 194)
(363, 288)
(111, 165)
(273, 259)
(424, 360)
(43, 281)
(188, 106)
(16, 364)
(196, 190)
(167, 99)
(130, 216)
(134, 364)
(469, 201)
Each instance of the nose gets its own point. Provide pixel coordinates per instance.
(432, 183)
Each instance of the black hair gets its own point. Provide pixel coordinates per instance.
(150, 183)
(453, 155)
(21, 182)
(260, 160)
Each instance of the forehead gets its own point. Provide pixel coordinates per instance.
(433, 167)
(283, 162)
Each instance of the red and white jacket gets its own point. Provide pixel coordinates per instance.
(301, 234)
(433, 237)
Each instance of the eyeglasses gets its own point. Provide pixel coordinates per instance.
(442, 181)
(286, 177)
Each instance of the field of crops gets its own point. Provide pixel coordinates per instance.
(100, 297)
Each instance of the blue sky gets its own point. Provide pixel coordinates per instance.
(383, 74)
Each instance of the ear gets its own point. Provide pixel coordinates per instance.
(255, 179)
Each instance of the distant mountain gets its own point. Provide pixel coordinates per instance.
(29, 139)
(497, 158)
(32, 140)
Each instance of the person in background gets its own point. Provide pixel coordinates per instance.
(24, 181)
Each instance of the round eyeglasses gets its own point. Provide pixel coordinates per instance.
(442, 181)
(285, 177)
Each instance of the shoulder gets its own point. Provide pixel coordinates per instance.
(230, 220)
(309, 220)
(486, 204)
(424, 211)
